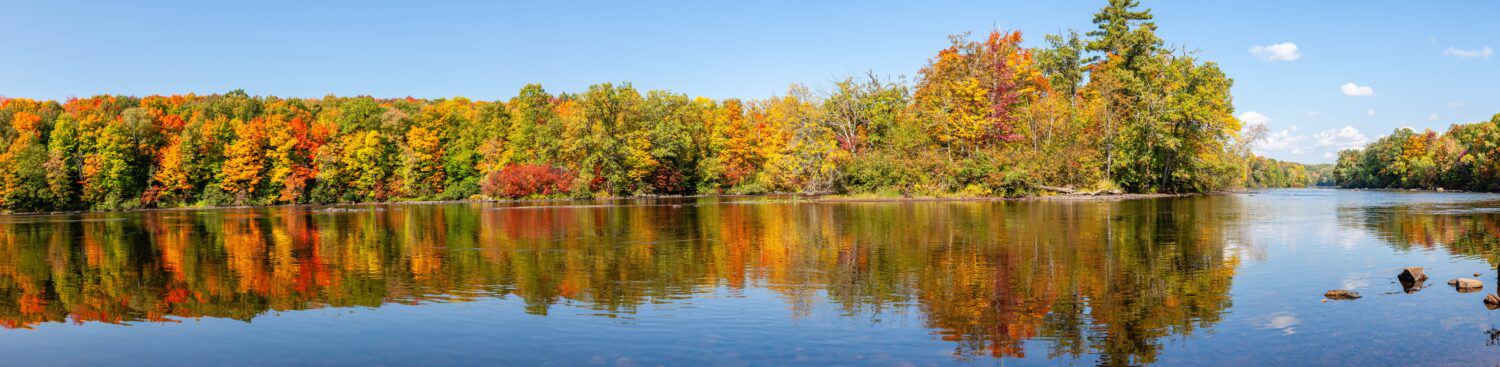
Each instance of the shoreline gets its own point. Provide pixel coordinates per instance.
(788, 197)
(1436, 190)
(1100, 197)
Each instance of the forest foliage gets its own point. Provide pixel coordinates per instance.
(1111, 108)
(1466, 157)
(1267, 172)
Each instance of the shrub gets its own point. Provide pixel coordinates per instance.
(460, 190)
(522, 180)
(880, 172)
(668, 180)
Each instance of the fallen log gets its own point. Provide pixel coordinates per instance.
(1065, 190)
(1072, 192)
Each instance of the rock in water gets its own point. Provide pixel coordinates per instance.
(1340, 294)
(1466, 284)
(1412, 275)
(1491, 301)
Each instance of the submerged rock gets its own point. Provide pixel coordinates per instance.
(1466, 284)
(1412, 274)
(1491, 301)
(1340, 294)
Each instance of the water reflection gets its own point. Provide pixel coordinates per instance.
(1111, 280)
(1463, 229)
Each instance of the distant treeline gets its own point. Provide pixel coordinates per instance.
(1112, 108)
(1266, 173)
(1466, 157)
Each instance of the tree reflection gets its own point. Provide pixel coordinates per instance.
(1112, 279)
(1463, 229)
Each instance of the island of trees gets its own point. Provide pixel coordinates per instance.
(1113, 108)
(1466, 157)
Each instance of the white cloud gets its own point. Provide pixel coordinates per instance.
(1285, 51)
(1455, 104)
(1286, 140)
(1356, 90)
(1433, 117)
(1345, 138)
(1370, 112)
(1284, 321)
(1480, 53)
(1283, 140)
(1352, 283)
(1254, 118)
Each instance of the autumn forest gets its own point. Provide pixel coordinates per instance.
(1113, 108)
(1466, 157)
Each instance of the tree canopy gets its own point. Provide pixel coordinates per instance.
(987, 116)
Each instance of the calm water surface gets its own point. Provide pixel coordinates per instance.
(1223, 280)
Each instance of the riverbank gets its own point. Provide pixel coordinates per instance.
(1062, 197)
(1393, 189)
(830, 198)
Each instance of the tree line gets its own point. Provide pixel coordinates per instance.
(1267, 173)
(1114, 108)
(1466, 157)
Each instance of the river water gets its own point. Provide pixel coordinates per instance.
(1234, 279)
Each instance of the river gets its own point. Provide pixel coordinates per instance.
(1232, 279)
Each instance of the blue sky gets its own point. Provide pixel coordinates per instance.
(1417, 64)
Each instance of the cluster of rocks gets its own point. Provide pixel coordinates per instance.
(1413, 278)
